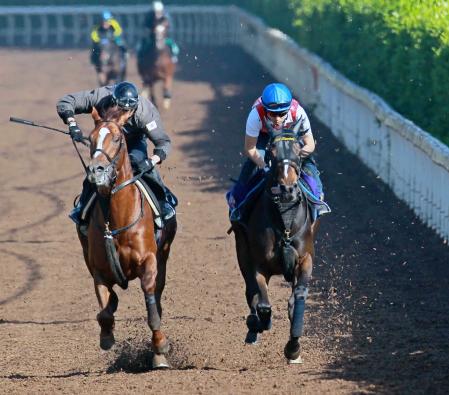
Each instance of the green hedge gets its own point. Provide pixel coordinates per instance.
(398, 49)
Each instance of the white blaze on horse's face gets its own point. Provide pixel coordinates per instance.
(286, 166)
(103, 133)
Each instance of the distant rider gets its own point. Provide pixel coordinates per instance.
(159, 16)
(109, 28)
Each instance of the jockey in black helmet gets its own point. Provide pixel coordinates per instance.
(143, 122)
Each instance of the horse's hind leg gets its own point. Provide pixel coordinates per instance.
(108, 302)
(296, 308)
(159, 341)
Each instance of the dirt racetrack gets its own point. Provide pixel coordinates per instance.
(377, 319)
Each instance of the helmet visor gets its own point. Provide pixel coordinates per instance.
(127, 103)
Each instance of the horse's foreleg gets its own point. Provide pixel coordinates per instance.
(162, 258)
(296, 308)
(152, 94)
(108, 301)
(251, 287)
(159, 341)
(168, 84)
(101, 78)
(263, 306)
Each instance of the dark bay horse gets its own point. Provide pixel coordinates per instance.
(278, 240)
(154, 63)
(120, 244)
(111, 66)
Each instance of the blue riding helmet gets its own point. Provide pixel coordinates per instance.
(106, 15)
(276, 97)
(126, 95)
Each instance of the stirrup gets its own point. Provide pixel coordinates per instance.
(75, 214)
(234, 215)
(167, 211)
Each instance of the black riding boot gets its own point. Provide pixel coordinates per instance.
(86, 193)
(167, 200)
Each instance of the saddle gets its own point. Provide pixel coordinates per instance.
(241, 198)
(160, 218)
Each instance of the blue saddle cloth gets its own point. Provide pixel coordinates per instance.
(239, 194)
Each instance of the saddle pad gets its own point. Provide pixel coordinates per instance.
(149, 197)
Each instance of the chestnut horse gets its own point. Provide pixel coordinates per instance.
(154, 63)
(111, 62)
(278, 239)
(120, 244)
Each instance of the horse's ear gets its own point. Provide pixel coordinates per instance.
(96, 117)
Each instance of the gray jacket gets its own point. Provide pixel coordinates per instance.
(145, 121)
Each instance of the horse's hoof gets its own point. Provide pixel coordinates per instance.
(166, 104)
(106, 342)
(292, 350)
(252, 338)
(296, 361)
(159, 362)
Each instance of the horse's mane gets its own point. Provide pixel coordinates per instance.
(113, 113)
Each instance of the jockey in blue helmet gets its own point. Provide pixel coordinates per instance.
(275, 110)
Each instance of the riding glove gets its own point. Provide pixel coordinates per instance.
(75, 132)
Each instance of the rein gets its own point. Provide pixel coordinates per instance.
(289, 210)
(105, 202)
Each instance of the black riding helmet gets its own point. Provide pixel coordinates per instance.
(125, 95)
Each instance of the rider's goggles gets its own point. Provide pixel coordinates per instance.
(277, 113)
(127, 103)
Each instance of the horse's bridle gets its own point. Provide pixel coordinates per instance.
(111, 167)
(287, 210)
(288, 159)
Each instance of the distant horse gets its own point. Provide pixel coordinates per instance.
(154, 63)
(111, 65)
(120, 244)
(278, 239)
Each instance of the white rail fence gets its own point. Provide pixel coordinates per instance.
(413, 163)
(70, 26)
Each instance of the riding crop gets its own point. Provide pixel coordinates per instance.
(31, 123)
